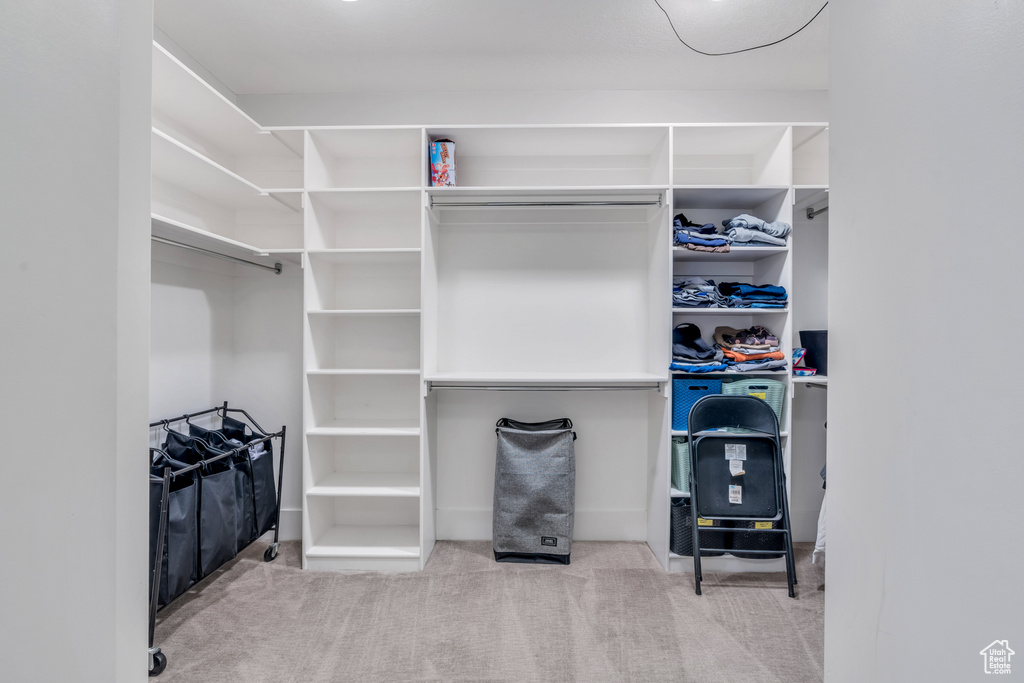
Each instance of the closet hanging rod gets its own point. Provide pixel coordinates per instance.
(811, 213)
(276, 268)
(540, 204)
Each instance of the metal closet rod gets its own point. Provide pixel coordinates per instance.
(445, 205)
(811, 213)
(276, 268)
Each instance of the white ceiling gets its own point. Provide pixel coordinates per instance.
(330, 46)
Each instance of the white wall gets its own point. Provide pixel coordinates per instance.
(810, 312)
(543, 107)
(74, 190)
(222, 332)
(925, 460)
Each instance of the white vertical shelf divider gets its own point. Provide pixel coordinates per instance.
(748, 169)
(364, 417)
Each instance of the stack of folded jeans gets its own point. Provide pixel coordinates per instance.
(698, 237)
(690, 353)
(740, 295)
(749, 231)
(754, 348)
(696, 292)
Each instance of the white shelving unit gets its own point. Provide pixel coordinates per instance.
(538, 287)
(362, 398)
(548, 267)
(220, 181)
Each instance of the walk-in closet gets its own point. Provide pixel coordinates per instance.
(409, 340)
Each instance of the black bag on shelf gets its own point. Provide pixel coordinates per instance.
(245, 511)
(181, 538)
(262, 458)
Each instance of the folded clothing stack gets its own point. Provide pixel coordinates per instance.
(740, 295)
(754, 348)
(749, 231)
(698, 292)
(698, 237)
(690, 353)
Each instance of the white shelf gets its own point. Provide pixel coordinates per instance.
(382, 484)
(724, 196)
(544, 378)
(364, 430)
(366, 311)
(676, 493)
(734, 254)
(367, 540)
(182, 99)
(548, 157)
(369, 255)
(190, 170)
(361, 371)
(338, 195)
(813, 379)
(177, 231)
(728, 311)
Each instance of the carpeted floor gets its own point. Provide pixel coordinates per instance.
(612, 615)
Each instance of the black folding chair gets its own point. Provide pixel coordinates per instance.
(737, 474)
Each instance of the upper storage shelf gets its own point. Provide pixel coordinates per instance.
(189, 110)
(731, 155)
(197, 192)
(360, 158)
(558, 157)
(810, 155)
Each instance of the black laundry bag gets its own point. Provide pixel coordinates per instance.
(218, 509)
(181, 538)
(245, 513)
(262, 458)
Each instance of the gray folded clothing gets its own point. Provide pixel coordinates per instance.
(745, 220)
(740, 235)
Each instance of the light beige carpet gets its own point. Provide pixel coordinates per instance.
(612, 615)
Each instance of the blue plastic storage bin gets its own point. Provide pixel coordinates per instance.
(685, 393)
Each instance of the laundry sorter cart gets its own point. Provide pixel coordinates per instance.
(212, 493)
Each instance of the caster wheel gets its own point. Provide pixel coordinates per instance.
(270, 554)
(159, 664)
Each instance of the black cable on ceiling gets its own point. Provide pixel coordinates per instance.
(746, 49)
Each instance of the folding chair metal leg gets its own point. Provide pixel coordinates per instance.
(697, 577)
(790, 555)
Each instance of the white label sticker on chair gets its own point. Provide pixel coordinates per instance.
(736, 468)
(735, 451)
(736, 494)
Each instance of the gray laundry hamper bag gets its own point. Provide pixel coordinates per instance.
(534, 491)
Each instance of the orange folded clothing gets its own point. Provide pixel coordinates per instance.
(740, 357)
